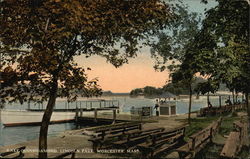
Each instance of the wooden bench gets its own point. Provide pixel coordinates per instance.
(98, 142)
(132, 140)
(72, 153)
(16, 150)
(216, 110)
(199, 140)
(236, 140)
(231, 146)
(118, 129)
(107, 135)
(162, 141)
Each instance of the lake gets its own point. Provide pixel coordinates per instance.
(14, 135)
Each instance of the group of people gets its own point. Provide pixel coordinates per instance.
(227, 102)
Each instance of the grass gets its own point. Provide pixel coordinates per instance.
(197, 124)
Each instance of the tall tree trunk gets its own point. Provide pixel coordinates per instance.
(46, 120)
(208, 100)
(190, 104)
(248, 110)
(233, 97)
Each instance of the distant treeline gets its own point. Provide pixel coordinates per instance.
(174, 88)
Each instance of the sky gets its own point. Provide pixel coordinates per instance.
(138, 73)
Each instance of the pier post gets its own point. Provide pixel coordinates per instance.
(29, 105)
(208, 99)
(220, 100)
(95, 119)
(114, 116)
(76, 117)
(81, 112)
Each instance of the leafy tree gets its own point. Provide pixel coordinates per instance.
(173, 45)
(173, 42)
(136, 92)
(185, 77)
(39, 39)
(149, 91)
(222, 44)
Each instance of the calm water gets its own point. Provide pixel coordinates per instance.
(14, 135)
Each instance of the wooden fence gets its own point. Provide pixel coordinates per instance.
(220, 110)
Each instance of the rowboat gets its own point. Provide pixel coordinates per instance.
(26, 117)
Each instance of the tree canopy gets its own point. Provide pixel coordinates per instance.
(39, 39)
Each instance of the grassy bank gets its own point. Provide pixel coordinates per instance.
(213, 150)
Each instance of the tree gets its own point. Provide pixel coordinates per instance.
(222, 44)
(185, 77)
(40, 39)
(136, 92)
(174, 41)
(173, 45)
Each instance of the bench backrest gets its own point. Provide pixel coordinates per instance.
(117, 127)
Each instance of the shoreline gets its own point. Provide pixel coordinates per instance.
(74, 139)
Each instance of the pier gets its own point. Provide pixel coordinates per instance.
(33, 115)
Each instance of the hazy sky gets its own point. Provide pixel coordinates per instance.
(137, 74)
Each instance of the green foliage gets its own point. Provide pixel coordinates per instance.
(174, 88)
(136, 92)
(39, 39)
(227, 124)
(174, 41)
(146, 91)
(198, 124)
(221, 51)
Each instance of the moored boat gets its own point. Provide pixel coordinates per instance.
(25, 117)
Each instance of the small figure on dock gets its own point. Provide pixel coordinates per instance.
(238, 102)
(157, 108)
(228, 102)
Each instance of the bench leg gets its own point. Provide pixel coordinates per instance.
(181, 155)
(95, 146)
(73, 155)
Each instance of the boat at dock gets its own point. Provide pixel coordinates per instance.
(27, 117)
(12, 117)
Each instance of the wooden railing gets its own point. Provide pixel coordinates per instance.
(220, 110)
